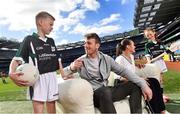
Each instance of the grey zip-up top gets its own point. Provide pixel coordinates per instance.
(106, 65)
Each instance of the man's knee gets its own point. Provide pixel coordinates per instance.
(134, 86)
(136, 90)
(105, 93)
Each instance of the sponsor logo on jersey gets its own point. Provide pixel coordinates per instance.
(52, 48)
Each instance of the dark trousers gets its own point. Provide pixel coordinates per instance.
(105, 96)
(156, 102)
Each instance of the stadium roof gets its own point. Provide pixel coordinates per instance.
(155, 13)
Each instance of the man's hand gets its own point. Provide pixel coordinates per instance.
(147, 93)
(76, 64)
(15, 78)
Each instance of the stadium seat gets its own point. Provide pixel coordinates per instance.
(76, 95)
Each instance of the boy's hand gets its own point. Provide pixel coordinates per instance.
(15, 78)
(67, 77)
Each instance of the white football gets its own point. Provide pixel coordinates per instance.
(30, 73)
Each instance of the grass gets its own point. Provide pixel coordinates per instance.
(13, 98)
(172, 89)
(172, 82)
(9, 86)
(173, 105)
(16, 107)
(11, 92)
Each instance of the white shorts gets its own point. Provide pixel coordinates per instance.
(161, 64)
(46, 88)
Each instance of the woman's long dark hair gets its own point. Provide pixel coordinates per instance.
(122, 46)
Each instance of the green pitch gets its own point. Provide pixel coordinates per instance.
(13, 98)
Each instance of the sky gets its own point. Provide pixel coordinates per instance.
(74, 18)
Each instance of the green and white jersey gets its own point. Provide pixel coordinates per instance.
(153, 49)
(43, 53)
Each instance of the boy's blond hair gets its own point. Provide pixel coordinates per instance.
(43, 15)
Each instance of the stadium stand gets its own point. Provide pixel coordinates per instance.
(155, 13)
(163, 15)
(69, 52)
(8, 49)
(168, 34)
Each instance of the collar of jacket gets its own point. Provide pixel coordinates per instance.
(99, 54)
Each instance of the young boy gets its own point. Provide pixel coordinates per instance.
(40, 50)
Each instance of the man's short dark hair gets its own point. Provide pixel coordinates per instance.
(93, 36)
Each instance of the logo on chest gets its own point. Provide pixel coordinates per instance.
(53, 48)
(39, 48)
